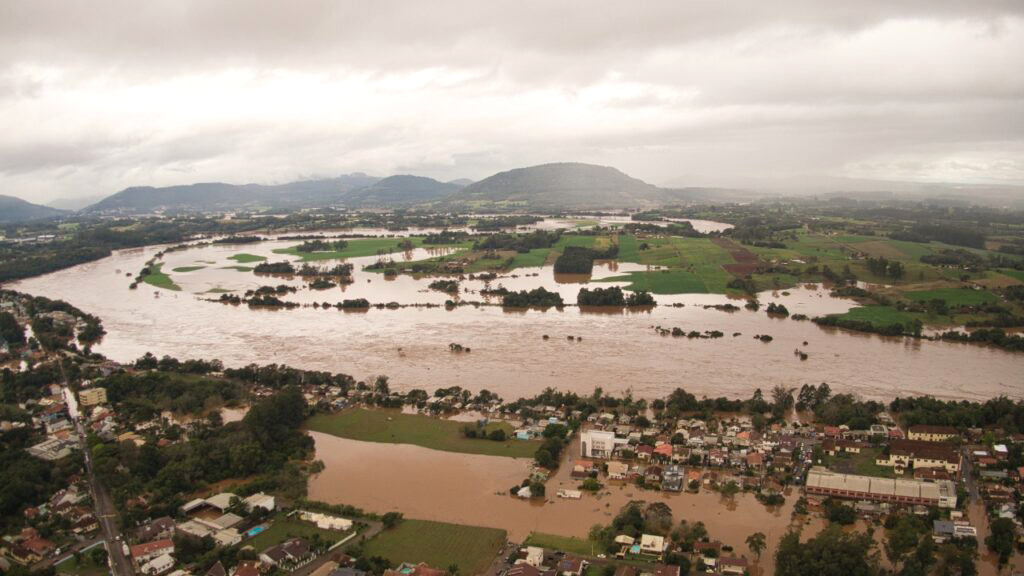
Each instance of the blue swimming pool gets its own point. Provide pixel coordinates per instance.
(255, 530)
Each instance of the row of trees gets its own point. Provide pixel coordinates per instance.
(613, 296)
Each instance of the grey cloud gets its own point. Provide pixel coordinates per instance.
(101, 95)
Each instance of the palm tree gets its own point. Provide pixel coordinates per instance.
(756, 542)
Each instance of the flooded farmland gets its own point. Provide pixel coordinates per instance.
(617, 350)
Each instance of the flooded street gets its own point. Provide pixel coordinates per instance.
(619, 350)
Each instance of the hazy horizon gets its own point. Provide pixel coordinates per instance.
(98, 97)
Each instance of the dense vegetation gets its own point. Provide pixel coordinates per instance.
(263, 443)
(536, 298)
(613, 296)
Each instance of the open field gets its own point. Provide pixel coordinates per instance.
(438, 544)
(244, 258)
(158, 278)
(284, 528)
(356, 248)
(581, 546)
(667, 281)
(954, 296)
(1015, 274)
(396, 428)
(693, 262)
(862, 464)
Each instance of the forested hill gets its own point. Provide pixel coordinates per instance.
(218, 196)
(17, 210)
(562, 185)
(401, 190)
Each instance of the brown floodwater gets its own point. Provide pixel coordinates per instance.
(473, 489)
(617, 350)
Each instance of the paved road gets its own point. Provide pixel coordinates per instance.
(103, 504)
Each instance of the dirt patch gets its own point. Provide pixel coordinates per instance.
(881, 248)
(746, 261)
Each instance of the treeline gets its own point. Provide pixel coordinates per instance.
(500, 222)
(445, 237)
(238, 240)
(947, 234)
(892, 269)
(999, 412)
(450, 286)
(613, 296)
(319, 245)
(280, 268)
(993, 336)
(536, 298)
(580, 260)
(519, 242)
(141, 396)
(838, 409)
(685, 229)
(338, 270)
(912, 328)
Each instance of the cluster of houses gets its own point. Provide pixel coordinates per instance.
(536, 561)
(685, 454)
(228, 520)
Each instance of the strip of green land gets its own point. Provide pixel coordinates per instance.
(356, 248)
(397, 428)
(245, 258)
(158, 278)
(188, 268)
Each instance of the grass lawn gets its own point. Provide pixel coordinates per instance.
(356, 248)
(244, 258)
(1015, 274)
(438, 544)
(397, 428)
(87, 566)
(862, 464)
(695, 264)
(188, 268)
(238, 268)
(668, 281)
(284, 528)
(954, 296)
(158, 278)
(580, 546)
(531, 259)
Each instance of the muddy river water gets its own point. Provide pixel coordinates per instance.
(618, 351)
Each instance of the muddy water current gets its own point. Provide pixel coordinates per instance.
(616, 350)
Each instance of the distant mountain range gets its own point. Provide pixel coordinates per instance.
(558, 186)
(547, 186)
(218, 196)
(17, 210)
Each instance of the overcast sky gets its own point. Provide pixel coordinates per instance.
(97, 96)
